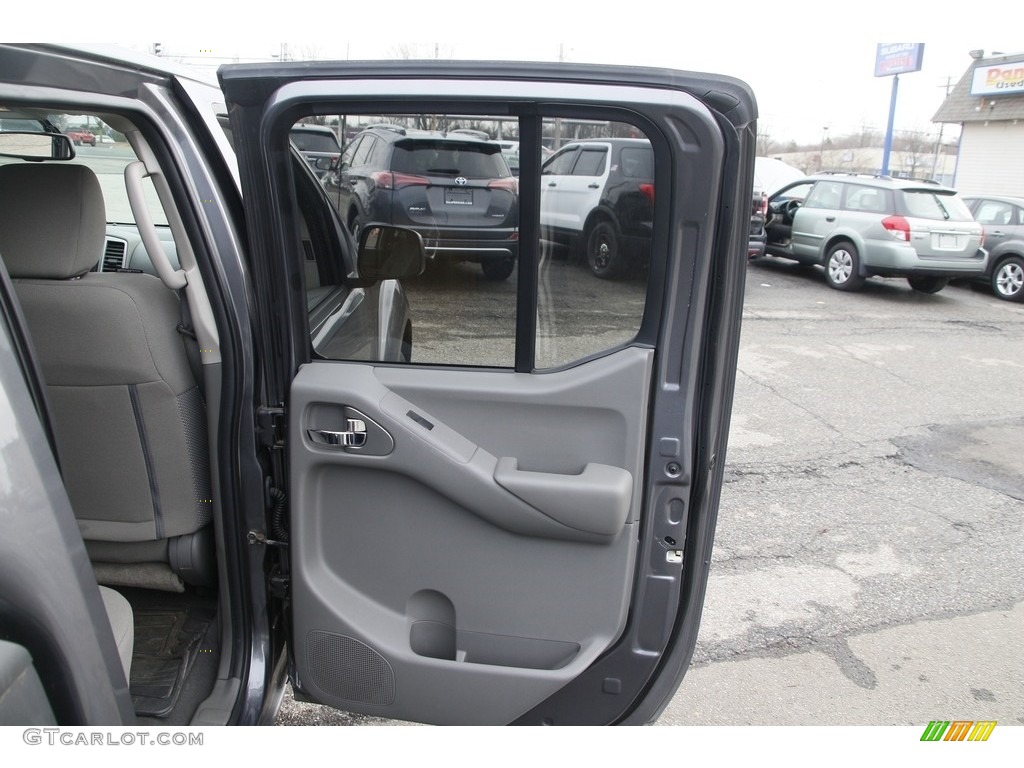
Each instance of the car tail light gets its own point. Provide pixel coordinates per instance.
(389, 180)
(648, 191)
(898, 227)
(510, 185)
(762, 208)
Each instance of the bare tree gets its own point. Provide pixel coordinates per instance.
(413, 51)
(766, 145)
(309, 52)
(917, 149)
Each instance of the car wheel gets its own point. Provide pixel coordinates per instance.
(1008, 279)
(604, 257)
(928, 284)
(497, 269)
(842, 267)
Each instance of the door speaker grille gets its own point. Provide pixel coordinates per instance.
(347, 668)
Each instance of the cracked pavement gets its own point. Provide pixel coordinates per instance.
(869, 556)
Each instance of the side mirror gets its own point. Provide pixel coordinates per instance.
(26, 145)
(390, 253)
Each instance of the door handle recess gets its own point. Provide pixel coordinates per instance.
(348, 431)
(353, 437)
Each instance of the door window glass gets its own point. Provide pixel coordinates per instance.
(826, 194)
(456, 190)
(560, 164)
(596, 226)
(363, 152)
(637, 162)
(591, 162)
(994, 212)
(868, 199)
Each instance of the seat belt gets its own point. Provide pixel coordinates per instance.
(191, 344)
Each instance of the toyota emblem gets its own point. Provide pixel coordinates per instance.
(461, 181)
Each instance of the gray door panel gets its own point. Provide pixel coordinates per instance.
(468, 545)
(481, 477)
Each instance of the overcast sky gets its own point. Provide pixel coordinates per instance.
(811, 64)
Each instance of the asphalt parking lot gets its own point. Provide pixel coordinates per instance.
(869, 558)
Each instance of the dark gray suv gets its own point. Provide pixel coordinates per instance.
(857, 226)
(455, 189)
(1003, 219)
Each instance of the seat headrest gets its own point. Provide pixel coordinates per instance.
(52, 220)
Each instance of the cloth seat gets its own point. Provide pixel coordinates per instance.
(128, 416)
(122, 624)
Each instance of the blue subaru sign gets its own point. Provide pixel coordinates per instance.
(897, 58)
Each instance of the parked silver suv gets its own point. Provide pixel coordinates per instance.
(857, 226)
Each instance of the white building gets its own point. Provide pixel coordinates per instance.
(988, 103)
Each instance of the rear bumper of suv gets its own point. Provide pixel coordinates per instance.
(476, 244)
(897, 260)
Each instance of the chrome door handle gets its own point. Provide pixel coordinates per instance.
(353, 437)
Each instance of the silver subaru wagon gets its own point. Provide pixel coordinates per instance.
(857, 226)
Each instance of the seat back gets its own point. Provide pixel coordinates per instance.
(129, 419)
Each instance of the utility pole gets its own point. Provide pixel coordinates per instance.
(558, 120)
(938, 143)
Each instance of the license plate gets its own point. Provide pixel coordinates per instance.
(458, 197)
(951, 242)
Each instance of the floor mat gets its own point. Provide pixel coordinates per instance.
(166, 644)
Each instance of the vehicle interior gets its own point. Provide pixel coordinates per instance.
(106, 273)
(119, 319)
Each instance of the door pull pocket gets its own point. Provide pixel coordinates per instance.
(596, 501)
